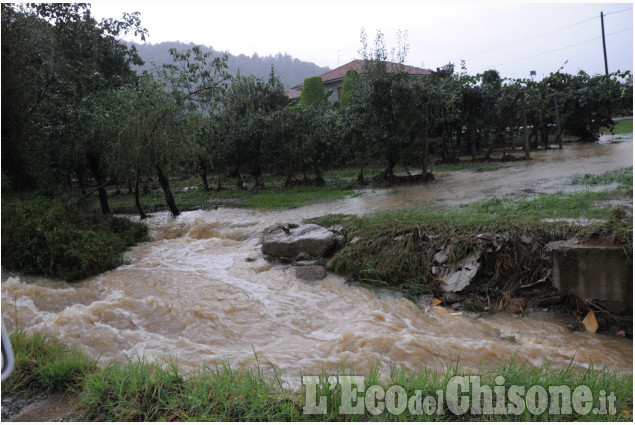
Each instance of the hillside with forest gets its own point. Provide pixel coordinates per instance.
(290, 70)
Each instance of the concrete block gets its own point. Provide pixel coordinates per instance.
(597, 272)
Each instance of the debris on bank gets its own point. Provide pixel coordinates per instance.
(484, 268)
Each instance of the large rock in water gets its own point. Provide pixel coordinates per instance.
(289, 240)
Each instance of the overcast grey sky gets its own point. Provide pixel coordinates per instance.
(513, 38)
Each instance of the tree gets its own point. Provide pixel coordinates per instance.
(196, 81)
(246, 108)
(54, 56)
(313, 92)
(350, 78)
(586, 102)
(386, 98)
(146, 132)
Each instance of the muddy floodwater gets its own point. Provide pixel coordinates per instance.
(193, 295)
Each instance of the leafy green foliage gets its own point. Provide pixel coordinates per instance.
(58, 239)
(588, 103)
(348, 86)
(313, 92)
(54, 55)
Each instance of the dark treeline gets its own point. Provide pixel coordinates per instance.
(74, 111)
(290, 71)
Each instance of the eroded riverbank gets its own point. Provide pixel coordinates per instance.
(192, 294)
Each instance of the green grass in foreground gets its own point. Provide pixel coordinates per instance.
(142, 391)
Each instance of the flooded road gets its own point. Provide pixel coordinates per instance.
(193, 295)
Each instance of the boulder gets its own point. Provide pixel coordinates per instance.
(340, 241)
(310, 272)
(291, 240)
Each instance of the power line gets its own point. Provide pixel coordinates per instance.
(561, 48)
(532, 37)
(618, 11)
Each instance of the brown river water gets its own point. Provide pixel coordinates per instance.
(190, 293)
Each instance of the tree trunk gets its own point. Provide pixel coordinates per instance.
(544, 131)
(458, 142)
(495, 142)
(425, 158)
(142, 214)
(93, 165)
(219, 186)
(165, 185)
(203, 170)
(360, 177)
(472, 138)
(388, 172)
(319, 180)
(558, 125)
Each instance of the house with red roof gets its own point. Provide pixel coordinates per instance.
(334, 79)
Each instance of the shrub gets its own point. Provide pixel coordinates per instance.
(347, 86)
(60, 239)
(313, 92)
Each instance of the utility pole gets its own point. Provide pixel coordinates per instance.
(606, 64)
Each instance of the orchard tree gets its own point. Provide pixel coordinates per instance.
(54, 55)
(384, 93)
(196, 80)
(246, 108)
(147, 133)
(587, 103)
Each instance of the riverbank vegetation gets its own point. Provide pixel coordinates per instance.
(57, 238)
(80, 128)
(138, 390)
(77, 118)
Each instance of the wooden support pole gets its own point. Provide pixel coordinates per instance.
(558, 125)
(525, 129)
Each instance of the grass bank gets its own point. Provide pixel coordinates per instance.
(62, 239)
(138, 390)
